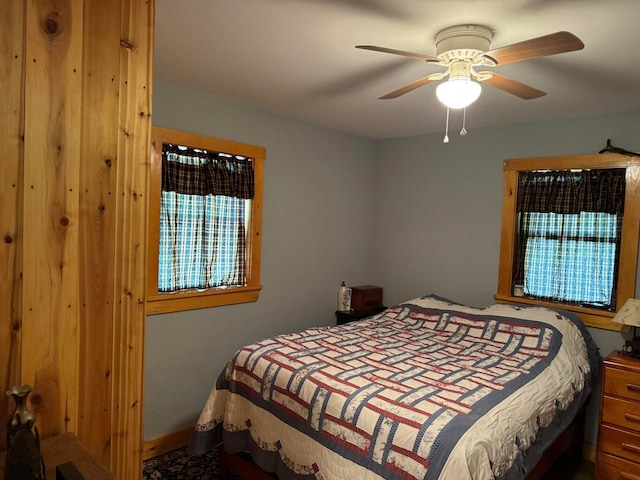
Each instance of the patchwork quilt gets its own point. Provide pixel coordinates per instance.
(427, 389)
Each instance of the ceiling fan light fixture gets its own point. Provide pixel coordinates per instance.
(458, 92)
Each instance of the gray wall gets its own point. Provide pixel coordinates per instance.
(413, 215)
(317, 224)
(438, 207)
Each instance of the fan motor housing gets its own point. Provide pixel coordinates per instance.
(462, 42)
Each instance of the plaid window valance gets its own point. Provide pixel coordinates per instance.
(570, 192)
(196, 172)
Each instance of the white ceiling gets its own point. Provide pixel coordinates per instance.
(297, 58)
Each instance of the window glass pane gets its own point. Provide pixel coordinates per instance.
(200, 238)
(570, 257)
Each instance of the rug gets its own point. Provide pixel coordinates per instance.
(178, 465)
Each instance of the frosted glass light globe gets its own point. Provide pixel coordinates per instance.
(458, 92)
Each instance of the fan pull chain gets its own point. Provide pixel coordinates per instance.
(446, 130)
(463, 132)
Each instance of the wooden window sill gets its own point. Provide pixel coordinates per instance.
(590, 316)
(175, 302)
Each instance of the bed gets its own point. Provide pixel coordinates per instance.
(427, 389)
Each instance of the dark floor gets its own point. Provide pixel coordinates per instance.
(177, 465)
(567, 470)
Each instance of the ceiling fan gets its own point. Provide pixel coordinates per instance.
(464, 49)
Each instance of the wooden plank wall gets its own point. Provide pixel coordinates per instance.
(11, 134)
(76, 123)
(130, 255)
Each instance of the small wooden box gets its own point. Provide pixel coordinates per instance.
(366, 298)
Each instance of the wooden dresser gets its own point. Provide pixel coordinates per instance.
(618, 454)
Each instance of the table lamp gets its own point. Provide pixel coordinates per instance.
(629, 314)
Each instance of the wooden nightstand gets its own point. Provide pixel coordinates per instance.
(346, 317)
(618, 454)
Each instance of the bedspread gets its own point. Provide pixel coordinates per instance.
(426, 389)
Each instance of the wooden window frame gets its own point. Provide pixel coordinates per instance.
(189, 300)
(627, 266)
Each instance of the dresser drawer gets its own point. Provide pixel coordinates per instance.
(614, 468)
(622, 413)
(622, 383)
(619, 442)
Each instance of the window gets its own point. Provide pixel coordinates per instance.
(205, 222)
(569, 257)
(570, 234)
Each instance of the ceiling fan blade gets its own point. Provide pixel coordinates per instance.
(417, 56)
(407, 88)
(512, 86)
(559, 42)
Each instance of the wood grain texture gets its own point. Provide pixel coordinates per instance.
(508, 232)
(630, 235)
(11, 156)
(131, 237)
(166, 443)
(552, 44)
(512, 86)
(76, 120)
(50, 209)
(618, 453)
(99, 153)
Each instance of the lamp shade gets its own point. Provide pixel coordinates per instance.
(458, 92)
(629, 314)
